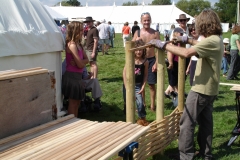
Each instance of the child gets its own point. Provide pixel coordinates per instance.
(141, 73)
(173, 69)
(76, 59)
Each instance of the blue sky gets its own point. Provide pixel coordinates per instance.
(106, 2)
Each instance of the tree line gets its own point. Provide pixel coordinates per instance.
(226, 9)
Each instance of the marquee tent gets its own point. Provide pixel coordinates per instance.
(165, 15)
(30, 38)
(55, 15)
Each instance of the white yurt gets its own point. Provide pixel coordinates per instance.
(29, 38)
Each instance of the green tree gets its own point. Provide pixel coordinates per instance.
(161, 2)
(74, 3)
(63, 3)
(135, 3)
(69, 3)
(193, 7)
(226, 10)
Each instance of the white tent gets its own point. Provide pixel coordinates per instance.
(165, 15)
(30, 38)
(55, 15)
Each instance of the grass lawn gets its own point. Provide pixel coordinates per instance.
(110, 77)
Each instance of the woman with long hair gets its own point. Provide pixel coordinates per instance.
(76, 59)
(235, 47)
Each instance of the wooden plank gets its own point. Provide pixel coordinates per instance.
(229, 84)
(78, 145)
(117, 144)
(47, 149)
(92, 142)
(28, 103)
(23, 74)
(18, 71)
(33, 130)
(118, 147)
(235, 88)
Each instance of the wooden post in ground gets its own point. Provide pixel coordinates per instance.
(181, 81)
(160, 85)
(130, 82)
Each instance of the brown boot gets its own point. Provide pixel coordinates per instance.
(142, 121)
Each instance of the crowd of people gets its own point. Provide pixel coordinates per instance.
(206, 53)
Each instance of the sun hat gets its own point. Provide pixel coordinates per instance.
(88, 19)
(225, 40)
(182, 16)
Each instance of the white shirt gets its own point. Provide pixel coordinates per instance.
(104, 31)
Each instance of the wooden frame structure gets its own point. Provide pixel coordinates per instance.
(166, 128)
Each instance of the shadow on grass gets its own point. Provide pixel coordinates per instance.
(224, 151)
(113, 79)
(109, 112)
(224, 108)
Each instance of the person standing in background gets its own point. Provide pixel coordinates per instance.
(126, 33)
(76, 60)
(146, 34)
(157, 27)
(226, 53)
(182, 21)
(112, 34)
(135, 28)
(91, 45)
(104, 32)
(235, 47)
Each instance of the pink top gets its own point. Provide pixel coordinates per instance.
(175, 58)
(69, 58)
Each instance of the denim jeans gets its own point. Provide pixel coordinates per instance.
(139, 100)
(111, 41)
(234, 65)
(224, 65)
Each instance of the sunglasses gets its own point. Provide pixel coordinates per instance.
(182, 20)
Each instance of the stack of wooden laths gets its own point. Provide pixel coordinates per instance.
(71, 138)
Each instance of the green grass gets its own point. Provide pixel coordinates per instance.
(110, 77)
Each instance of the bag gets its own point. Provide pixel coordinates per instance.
(174, 98)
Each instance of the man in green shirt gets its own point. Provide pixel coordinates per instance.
(199, 103)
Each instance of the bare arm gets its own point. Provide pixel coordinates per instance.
(85, 58)
(180, 51)
(154, 67)
(146, 64)
(188, 68)
(95, 44)
(170, 60)
(134, 38)
(238, 44)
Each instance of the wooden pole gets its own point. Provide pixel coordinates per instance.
(130, 83)
(181, 81)
(160, 85)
